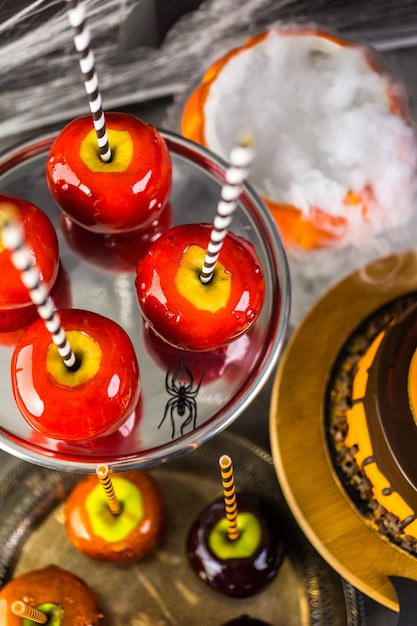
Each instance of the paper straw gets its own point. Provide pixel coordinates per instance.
(20, 609)
(12, 235)
(229, 494)
(241, 159)
(82, 43)
(103, 475)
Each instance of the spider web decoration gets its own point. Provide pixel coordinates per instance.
(39, 77)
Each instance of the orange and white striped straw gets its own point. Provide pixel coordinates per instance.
(13, 237)
(103, 475)
(229, 494)
(25, 611)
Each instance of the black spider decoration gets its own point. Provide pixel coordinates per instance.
(183, 399)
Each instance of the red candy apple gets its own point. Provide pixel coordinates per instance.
(79, 405)
(128, 193)
(16, 307)
(187, 313)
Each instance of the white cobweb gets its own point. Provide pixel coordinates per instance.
(39, 76)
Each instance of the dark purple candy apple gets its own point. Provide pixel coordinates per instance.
(242, 567)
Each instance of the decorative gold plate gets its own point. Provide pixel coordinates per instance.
(309, 482)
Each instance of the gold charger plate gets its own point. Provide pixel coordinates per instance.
(313, 492)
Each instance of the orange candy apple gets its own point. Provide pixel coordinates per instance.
(16, 307)
(63, 597)
(79, 405)
(128, 193)
(126, 536)
(187, 313)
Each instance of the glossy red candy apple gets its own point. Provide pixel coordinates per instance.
(16, 307)
(128, 193)
(79, 405)
(187, 313)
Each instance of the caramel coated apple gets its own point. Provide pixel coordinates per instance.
(127, 536)
(63, 597)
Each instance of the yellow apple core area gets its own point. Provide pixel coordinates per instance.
(210, 296)
(113, 528)
(121, 145)
(88, 354)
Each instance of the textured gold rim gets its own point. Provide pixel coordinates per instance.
(318, 502)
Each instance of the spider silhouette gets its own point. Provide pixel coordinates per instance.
(183, 399)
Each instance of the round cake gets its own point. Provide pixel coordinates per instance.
(372, 413)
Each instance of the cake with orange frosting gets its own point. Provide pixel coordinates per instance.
(372, 420)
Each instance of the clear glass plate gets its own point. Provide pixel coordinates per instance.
(231, 380)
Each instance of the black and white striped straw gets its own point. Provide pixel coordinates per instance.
(13, 239)
(82, 42)
(241, 159)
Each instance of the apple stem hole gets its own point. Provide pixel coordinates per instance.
(106, 160)
(75, 366)
(119, 512)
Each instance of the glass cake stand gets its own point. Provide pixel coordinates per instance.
(101, 274)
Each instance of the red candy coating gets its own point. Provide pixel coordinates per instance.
(175, 317)
(42, 243)
(126, 194)
(98, 404)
